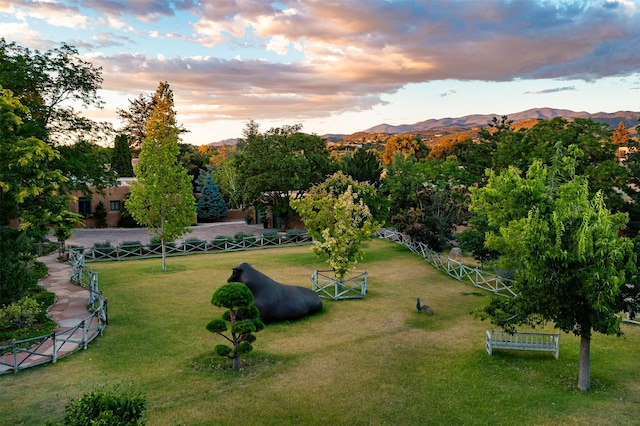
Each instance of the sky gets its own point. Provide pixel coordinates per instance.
(344, 66)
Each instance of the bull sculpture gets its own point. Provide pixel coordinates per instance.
(275, 301)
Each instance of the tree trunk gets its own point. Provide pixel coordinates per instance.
(164, 256)
(584, 375)
(236, 362)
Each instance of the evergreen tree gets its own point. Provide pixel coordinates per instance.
(211, 205)
(162, 198)
(620, 136)
(121, 157)
(364, 166)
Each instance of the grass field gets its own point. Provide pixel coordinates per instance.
(358, 362)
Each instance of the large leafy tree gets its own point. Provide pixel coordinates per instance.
(30, 182)
(135, 119)
(564, 246)
(279, 163)
(427, 199)
(406, 144)
(48, 84)
(232, 188)
(51, 85)
(162, 199)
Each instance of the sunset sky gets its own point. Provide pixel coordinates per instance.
(342, 67)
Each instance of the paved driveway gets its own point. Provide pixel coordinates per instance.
(86, 237)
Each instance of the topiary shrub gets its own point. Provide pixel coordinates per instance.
(244, 319)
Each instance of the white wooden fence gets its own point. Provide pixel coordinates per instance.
(456, 269)
(189, 246)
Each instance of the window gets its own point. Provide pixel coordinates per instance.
(84, 207)
(114, 206)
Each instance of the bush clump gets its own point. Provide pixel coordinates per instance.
(105, 406)
(20, 314)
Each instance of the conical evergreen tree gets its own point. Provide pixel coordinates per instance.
(211, 205)
(121, 158)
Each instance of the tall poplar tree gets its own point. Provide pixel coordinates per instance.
(162, 198)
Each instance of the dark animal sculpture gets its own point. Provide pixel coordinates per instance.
(275, 301)
(424, 308)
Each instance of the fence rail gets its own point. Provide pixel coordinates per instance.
(456, 269)
(21, 354)
(139, 251)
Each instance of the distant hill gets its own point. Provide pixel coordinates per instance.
(629, 118)
(432, 127)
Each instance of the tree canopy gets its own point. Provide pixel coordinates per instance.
(48, 83)
(279, 163)
(564, 246)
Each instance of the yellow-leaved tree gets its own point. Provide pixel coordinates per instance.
(162, 198)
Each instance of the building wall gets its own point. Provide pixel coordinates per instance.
(112, 198)
(117, 195)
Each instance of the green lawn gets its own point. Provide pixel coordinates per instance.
(369, 361)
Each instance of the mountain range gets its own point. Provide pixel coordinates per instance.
(629, 118)
(474, 121)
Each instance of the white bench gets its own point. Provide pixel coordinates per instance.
(523, 341)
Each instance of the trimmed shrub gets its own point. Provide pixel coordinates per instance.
(271, 237)
(248, 238)
(219, 241)
(156, 245)
(40, 270)
(103, 248)
(131, 246)
(194, 244)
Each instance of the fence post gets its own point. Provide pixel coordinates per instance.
(15, 355)
(84, 334)
(55, 348)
